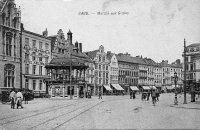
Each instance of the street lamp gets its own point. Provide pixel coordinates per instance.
(185, 101)
(71, 71)
(175, 80)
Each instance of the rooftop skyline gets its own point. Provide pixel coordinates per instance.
(151, 28)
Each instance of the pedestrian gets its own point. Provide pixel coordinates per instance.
(148, 95)
(100, 94)
(157, 95)
(26, 97)
(12, 98)
(19, 99)
(131, 94)
(153, 95)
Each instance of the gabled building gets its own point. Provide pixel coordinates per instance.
(113, 68)
(64, 51)
(10, 58)
(101, 71)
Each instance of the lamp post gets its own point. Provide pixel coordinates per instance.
(185, 101)
(70, 80)
(175, 80)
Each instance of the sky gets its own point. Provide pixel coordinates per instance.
(152, 28)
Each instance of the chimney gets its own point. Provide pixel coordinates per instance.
(76, 45)
(178, 61)
(45, 33)
(80, 47)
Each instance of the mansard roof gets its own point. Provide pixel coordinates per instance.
(129, 59)
(66, 62)
(92, 54)
(36, 34)
(194, 45)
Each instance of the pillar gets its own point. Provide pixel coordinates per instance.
(63, 91)
(51, 91)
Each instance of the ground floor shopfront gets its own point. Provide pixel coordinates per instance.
(69, 91)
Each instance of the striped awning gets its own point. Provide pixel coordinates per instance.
(107, 87)
(146, 87)
(117, 86)
(134, 88)
(152, 87)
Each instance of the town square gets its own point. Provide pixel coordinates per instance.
(99, 64)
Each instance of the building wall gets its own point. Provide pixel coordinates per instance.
(36, 52)
(101, 67)
(114, 70)
(142, 75)
(10, 44)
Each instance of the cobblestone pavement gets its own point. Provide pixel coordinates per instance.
(112, 112)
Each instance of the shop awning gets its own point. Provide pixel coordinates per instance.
(134, 88)
(173, 86)
(117, 86)
(152, 87)
(169, 87)
(107, 87)
(146, 87)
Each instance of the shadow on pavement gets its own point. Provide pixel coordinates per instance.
(186, 107)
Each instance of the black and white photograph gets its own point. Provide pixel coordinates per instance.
(99, 64)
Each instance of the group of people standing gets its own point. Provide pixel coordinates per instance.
(17, 98)
(132, 94)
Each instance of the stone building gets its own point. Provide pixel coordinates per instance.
(101, 71)
(10, 21)
(128, 71)
(36, 53)
(192, 64)
(64, 49)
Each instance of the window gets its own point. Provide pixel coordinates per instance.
(9, 70)
(106, 75)
(40, 59)
(33, 57)
(106, 67)
(26, 41)
(26, 68)
(8, 44)
(40, 85)
(99, 58)
(40, 70)
(99, 74)
(46, 59)
(103, 67)
(26, 83)
(34, 69)
(103, 58)
(40, 45)
(96, 66)
(34, 43)
(99, 67)
(47, 46)
(34, 84)
(26, 56)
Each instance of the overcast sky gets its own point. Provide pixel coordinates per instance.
(152, 28)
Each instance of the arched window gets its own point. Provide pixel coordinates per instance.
(9, 75)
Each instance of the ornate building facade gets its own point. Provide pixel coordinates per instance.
(64, 49)
(36, 53)
(10, 21)
(192, 64)
(101, 71)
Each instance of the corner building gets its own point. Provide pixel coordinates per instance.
(10, 21)
(36, 53)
